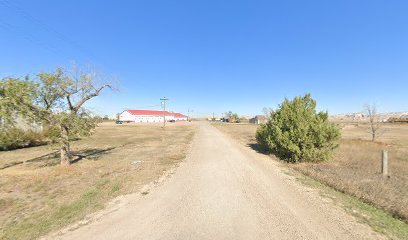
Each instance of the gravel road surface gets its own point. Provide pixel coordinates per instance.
(225, 191)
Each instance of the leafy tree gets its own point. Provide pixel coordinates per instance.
(296, 132)
(233, 117)
(228, 114)
(54, 99)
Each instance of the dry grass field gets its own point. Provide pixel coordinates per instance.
(355, 168)
(37, 195)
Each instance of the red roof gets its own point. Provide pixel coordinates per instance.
(155, 113)
(179, 115)
(149, 112)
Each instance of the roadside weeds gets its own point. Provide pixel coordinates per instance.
(378, 219)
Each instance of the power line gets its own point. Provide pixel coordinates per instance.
(188, 114)
(204, 113)
(46, 27)
(148, 106)
(30, 38)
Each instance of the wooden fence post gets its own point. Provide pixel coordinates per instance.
(384, 165)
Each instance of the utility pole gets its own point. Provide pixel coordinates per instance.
(189, 111)
(164, 111)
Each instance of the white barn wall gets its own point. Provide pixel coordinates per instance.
(128, 117)
(180, 118)
(151, 118)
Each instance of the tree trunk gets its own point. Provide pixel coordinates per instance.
(65, 148)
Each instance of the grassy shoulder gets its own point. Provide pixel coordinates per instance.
(352, 178)
(378, 219)
(39, 196)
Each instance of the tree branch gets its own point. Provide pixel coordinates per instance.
(96, 93)
(71, 107)
(68, 97)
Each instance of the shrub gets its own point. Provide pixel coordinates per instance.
(13, 138)
(295, 132)
(51, 133)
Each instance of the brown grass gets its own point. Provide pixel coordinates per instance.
(38, 195)
(355, 168)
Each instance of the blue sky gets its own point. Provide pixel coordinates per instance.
(216, 56)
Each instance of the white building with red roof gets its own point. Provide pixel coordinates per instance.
(146, 116)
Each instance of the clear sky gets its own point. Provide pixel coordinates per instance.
(216, 56)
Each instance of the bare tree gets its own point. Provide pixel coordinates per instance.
(373, 119)
(267, 111)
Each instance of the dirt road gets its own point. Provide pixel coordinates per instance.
(225, 191)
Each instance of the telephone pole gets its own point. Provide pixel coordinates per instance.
(189, 111)
(164, 111)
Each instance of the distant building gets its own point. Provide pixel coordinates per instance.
(258, 119)
(150, 116)
(180, 117)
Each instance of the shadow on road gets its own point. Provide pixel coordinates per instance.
(258, 148)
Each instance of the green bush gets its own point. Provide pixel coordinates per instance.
(13, 138)
(51, 133)
(295, 132)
